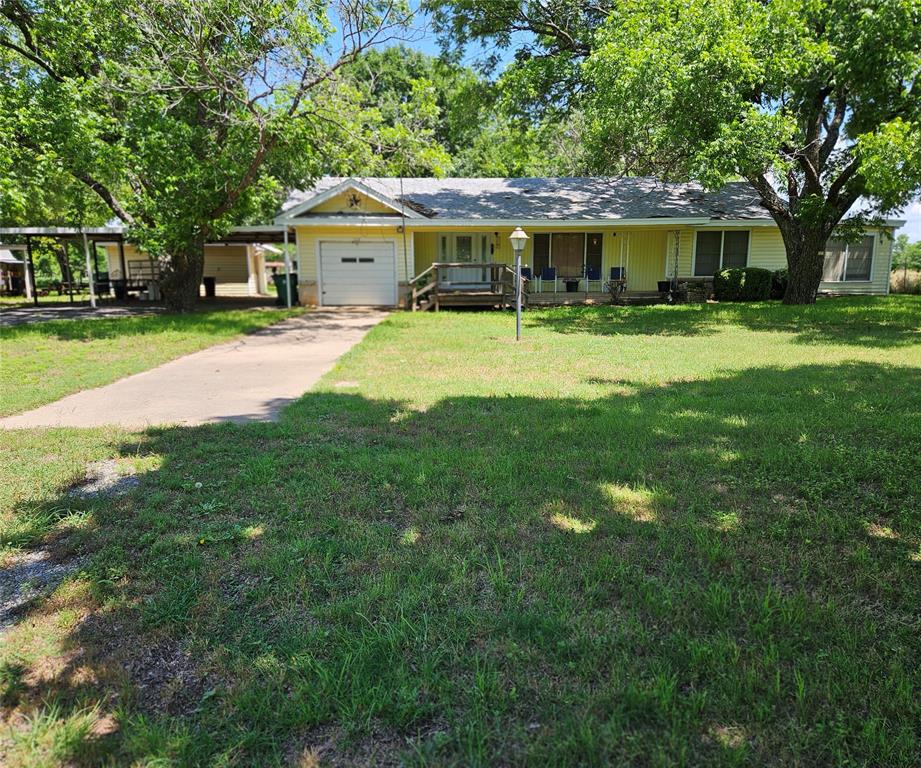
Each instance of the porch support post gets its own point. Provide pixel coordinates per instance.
(89, 271)
(29, 270)
(250, 271)
(287, 271)
(121, 258)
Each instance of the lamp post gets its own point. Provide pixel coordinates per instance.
(518, 238)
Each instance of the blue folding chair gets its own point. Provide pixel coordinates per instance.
(593, 275)
(549, 274)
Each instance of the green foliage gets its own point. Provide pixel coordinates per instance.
(821, 94)
(906, 254)
(743, 284)
(429, 116)
(185, 117)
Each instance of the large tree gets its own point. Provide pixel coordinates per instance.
(185, 117)
(817, 103)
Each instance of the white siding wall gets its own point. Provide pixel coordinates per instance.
(879, 272)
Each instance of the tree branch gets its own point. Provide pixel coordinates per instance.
(108, 198)
(774, 202)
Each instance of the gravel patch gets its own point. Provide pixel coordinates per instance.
(27, 577)
(104, 478)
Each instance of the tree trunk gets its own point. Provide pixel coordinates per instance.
(805, 247)
(181, 279)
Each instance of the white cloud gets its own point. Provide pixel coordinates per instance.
(912, 216)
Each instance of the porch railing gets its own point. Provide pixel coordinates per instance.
(492, 281)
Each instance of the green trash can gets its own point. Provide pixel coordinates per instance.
(279, 280)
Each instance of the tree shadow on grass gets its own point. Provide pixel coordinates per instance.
(709, 571)
(207, 320)
(889, 321)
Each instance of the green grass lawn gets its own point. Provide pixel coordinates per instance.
(651, 536)
(43, 362)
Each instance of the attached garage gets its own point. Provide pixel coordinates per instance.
(358, 273)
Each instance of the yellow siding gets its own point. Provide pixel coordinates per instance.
(646, 258)
(650, 251)
(227, 264)
(340, 204)
(308, 237)
(646, 249)
(766, 249)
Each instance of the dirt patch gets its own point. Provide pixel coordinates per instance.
(104, 478)
(28, 577)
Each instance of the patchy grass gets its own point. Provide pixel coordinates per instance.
(42, 362)
(652, 536)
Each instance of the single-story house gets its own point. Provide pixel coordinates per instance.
(12, 272)
(393, 241)
(363, 241)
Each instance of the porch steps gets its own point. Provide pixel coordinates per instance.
(469, 298)
(640, 298)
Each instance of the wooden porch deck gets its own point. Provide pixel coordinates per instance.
(439, 286)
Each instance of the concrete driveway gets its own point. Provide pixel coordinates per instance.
(250, 379)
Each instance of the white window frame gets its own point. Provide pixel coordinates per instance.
(748, 252)
(480, 249)
(874, 236)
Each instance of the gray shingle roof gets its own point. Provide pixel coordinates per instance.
(581, 197)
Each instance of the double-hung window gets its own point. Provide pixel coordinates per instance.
(845, 262)
(720, 249)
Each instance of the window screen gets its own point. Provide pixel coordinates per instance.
(859, 258)
(735, 249)
(848, 261)
(833, 266)
(541, 252)
(593, 250)
(707, 258)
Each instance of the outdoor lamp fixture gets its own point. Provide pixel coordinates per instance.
(518, 238)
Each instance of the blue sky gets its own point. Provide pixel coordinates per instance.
(427, 43)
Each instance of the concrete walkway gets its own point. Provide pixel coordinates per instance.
(250, 379)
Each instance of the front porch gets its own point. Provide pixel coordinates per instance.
(447, 284)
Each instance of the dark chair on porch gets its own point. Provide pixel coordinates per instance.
(593, 275)
(548, 274)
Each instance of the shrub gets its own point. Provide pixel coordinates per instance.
(742, 284)
(779, 281)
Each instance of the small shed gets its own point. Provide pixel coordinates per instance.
(12, 273)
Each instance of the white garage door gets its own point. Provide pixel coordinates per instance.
(358, 273)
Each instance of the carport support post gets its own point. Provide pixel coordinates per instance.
(29, 267)
(89, 270)
(287, 271)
